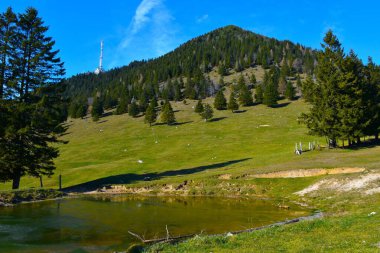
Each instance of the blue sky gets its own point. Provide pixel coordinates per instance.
(142, 29)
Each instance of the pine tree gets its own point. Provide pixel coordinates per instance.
(245, 96)
(373, 99)
(270, 95)
(259, 94)
(97, 109)
(324, 95)
(167, 114)
(8, 34)
(199, 106)
(151, 114)
(207, 113)
(133, 109)
(32, 113)
(220, 102)
(222, 70)
(290, 92)
(232, 104)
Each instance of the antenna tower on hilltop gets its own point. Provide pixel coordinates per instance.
(99, 69)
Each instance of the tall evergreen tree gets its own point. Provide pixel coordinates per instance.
(97, 109)
(207, 112)
(167, 114)
(151, 114)
(259, 94)
(270, 95)
(245, 96)
(232, 104)
(32, 109)
(133, 109)
(290, 92)
(199, 106)
(339, 98)
(220, 102)
(8, 34)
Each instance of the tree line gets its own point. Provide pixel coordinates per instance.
(31, 107)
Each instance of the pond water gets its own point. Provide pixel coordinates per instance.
(101, 224)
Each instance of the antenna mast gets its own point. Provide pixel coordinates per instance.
(100, 68)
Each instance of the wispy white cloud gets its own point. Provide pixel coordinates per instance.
(202, 18)
(151, 31)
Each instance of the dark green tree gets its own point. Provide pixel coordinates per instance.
(232, 104)
(207, 112)
(270, 95)
(220, 102)
(329, 95)
(245, 96)
(259, 94)
(133, 109)
(290, 92)
(32, 110)
(151, 114)
(199, 106)
(97, 109)
(222, 70)
(167, 114)
(8, 34)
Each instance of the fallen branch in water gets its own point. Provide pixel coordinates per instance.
(167, 239)
(180, 238)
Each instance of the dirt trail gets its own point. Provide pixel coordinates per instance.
(308, 173)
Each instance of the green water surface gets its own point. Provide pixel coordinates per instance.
(101, 224)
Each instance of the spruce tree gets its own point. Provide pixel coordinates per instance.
(167, 114)
(97, 109)
(270, 95)
(259, 94)
(220, 102)
(207, 112)
(8, 34)
(290, 92)
(31, 113)
(323, 119)
(151, 114)
(199, 106)
(133, 109)
(245, 96)
(232, 104)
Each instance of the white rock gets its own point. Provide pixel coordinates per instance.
(140, 161)
(372, 213)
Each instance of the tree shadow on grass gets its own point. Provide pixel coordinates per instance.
(217, 119)
(280, 105)
(131, 177)
(364, 144)
(240, 111)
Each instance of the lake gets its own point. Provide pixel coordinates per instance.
(101, 223)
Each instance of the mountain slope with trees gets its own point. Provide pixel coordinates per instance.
(184, 72)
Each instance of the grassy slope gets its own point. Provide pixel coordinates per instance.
(114, 145)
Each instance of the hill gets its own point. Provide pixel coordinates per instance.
(223, 51)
